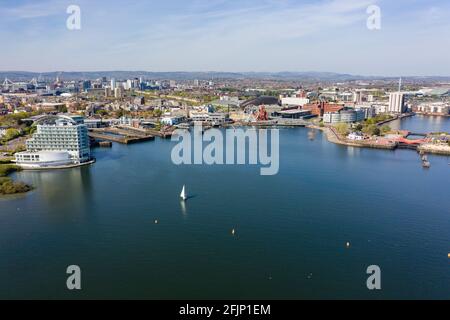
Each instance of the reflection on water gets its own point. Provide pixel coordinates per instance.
(353, 151)
(53, 184)
(422, 124)
(60, 189)
(183, 208)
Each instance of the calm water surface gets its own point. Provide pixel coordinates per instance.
(291, 229)
(423, 124)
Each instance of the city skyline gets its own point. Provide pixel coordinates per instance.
(255, 36)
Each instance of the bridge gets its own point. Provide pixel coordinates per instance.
(417, 134)
(408, 141)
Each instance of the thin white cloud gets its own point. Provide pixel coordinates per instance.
(34, 10)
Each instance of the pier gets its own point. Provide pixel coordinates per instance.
(119, 135)
(163, 133)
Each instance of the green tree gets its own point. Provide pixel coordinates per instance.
(120, 113)
(342, 128)
(385, 129)
(102, 113)
(157, 113)
(11, 134)
(29, 130)
(376, 131)
(371, 129)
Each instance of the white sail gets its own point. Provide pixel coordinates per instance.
(183, 193)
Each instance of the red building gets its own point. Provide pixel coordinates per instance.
(319, 108)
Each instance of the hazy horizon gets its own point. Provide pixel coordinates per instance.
(231, 72)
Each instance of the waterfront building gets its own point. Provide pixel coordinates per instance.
(435, 108)
(217, 118)
(368, 109)
(356, 136)
(293, 114)
(344, 116)
(320, 108)
(125, 121)
(172, 121)
(58, 141)
(397, 103)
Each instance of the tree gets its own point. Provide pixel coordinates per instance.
(359, 127)
(102, 113)
(157, 113)
(372, 130)
(376, 131)
(119, 113)
(29, 130)
(342, 128)
(385, 129)
(11, 134)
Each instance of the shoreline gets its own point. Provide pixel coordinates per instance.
(9, 186)
(333, 137)
(61, 167)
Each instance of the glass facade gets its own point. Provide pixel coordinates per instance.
(62, 136)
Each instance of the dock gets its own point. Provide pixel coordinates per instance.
(167, 133)
(119, 135)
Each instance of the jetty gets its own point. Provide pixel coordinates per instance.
(119, 135)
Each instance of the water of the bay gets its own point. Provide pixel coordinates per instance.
(291, 228)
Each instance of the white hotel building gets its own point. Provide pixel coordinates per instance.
(58, 142)
(397, 103)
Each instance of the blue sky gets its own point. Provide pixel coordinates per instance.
(227, 35)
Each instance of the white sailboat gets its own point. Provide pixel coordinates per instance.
(183, 194)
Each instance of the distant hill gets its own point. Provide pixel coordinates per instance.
(122, 75)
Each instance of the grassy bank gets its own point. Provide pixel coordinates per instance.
(7, 185)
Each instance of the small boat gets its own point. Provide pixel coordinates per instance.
(183, 194)
(426, 164)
